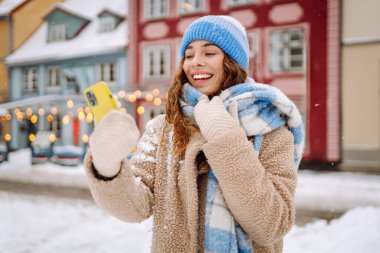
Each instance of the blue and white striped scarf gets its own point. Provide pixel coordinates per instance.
(261, 108)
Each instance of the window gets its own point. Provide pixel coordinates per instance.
(57, 32)
(107, 72)
(155, 9)
(156, 62)
(30, 76)
(190, 6)
(240, 2)
(106, 24)
(287, 51)
(53, 78)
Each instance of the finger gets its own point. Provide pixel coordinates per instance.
(233, 110)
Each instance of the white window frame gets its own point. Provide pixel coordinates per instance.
(53, 78)
(107, 71)
(232, 3)
(58, 32)
(281, 57)
(156, 61)
(106, 24)
(30, 79)
(190, 6)
(156, 9)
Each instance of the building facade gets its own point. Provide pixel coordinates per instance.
(361, 84)
(16, 25)
(78, 44)
(294, 46)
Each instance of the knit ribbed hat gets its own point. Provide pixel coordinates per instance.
(224, 31)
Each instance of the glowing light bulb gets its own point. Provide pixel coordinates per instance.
(140, 110)
(155, 92)
(157, 101)
(52, 138)
(34, 119)
(54, 110)
(32, 137)
(85, 138)
(70, 104)
(149, 97)
(7, 137)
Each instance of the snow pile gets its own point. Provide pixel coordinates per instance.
(19, 169)
(45, 225)
(356, 231)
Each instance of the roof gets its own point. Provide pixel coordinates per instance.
(68, 9)
(7, 6)
(87, 43)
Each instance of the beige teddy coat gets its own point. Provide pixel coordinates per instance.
(258, 188)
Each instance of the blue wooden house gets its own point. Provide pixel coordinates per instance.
(78, 44)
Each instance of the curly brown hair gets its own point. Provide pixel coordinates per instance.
(183, 126)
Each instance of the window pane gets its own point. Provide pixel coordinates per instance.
(287, 53)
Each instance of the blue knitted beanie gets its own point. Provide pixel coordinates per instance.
(224, 31)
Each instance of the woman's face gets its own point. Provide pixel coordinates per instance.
(203, 66)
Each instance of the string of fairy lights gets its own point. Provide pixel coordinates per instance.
(78, 111)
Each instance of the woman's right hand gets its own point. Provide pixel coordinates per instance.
(112, 140)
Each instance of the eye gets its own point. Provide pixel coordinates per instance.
(190, 56)
(210, 54)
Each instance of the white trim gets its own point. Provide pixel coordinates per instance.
(53, 81)
(153, 55)
(104, 70)
(57, 32)
(286, 57)
(30, 79)
(40, 100)
(155, 9)
(360, 40)
(106, 24)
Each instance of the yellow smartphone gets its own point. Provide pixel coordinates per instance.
(99, 98)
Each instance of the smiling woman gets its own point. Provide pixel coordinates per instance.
(218, 171)
(203, 66)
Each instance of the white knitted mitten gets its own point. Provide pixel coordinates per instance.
(112, 140)
(212, 117)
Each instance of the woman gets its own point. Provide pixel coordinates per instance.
(218, 171)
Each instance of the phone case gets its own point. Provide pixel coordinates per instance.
(99, 98)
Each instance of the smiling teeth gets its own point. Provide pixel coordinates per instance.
(201, 76)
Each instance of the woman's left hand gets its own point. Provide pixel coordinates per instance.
(212, 117)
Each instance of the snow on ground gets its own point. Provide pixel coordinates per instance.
(43, 224)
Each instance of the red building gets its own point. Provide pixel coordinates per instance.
(294, 46)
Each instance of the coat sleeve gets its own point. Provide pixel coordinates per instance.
(129, 195)
(258, 189)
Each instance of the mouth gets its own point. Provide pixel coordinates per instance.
(201, 77)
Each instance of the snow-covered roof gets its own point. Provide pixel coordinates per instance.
(88, 42)
(6, 6)
(67, 8)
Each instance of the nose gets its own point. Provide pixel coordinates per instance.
(198, 60)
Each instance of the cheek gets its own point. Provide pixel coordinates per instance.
(185, 68)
